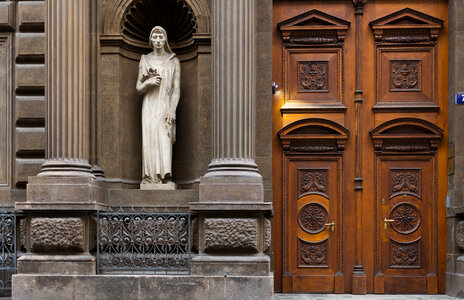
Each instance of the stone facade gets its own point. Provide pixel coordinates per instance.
(86, 127)
(455, 199)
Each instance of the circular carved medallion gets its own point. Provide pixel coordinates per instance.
(312, 217)
(407, 218)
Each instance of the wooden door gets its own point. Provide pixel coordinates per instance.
(359, 118)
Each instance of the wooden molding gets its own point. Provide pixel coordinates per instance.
(313, 135)
(406, 135)
(314, 27)
(406, 26)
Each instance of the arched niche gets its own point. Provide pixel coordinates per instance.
(313, 135)
(126, 25)
(405, 135)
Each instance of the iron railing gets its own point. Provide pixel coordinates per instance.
(8, 248)
(137, 240)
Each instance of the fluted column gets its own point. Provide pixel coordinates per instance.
(67, 89)
(233, 88)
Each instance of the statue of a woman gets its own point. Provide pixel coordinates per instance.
(159, 83)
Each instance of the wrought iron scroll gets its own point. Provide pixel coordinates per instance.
(141, 241)
(8, 250)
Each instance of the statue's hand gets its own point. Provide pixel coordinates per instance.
(153, 81)
(170, 118)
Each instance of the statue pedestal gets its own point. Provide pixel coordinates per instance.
(158, 186)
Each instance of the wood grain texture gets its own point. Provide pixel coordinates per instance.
(419, 253)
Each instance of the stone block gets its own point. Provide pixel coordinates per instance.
(231, 265)
(28, 107)
(31, 15)
(27, 167)
(124, 287)
(64, 190)
(83, 264)
(231, 189)
(30, 45)
(57, 234)
(7, 15)
(30, 76)
(460, 235)
(230, 234)
(30, 139)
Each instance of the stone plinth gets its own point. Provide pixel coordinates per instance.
(102, 287)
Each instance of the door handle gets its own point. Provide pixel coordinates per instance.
(332, 226)
(385, 222)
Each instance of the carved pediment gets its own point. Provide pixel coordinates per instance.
(406, 26)
(406, 135)
(314, 27)
(313, 136)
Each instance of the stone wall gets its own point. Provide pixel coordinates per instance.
(455, 200)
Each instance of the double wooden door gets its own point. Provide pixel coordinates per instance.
(359, 166)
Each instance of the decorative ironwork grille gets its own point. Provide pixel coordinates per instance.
(141, 241)
(8, 250)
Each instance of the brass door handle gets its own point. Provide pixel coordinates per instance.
(332, 226)
(385, 222)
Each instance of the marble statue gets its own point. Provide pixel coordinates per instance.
(159, 83)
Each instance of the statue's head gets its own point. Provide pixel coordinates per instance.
(159, 39)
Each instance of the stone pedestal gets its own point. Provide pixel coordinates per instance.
(233, 231)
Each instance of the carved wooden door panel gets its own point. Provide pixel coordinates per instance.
(314, 201)
(313, 166)
(359, 119)
(406, 189)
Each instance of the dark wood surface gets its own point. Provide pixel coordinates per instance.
(359, 122)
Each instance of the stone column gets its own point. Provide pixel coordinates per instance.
(233, 232)
(62, 197)
(233, 89)
(233, 167)
(68, 39)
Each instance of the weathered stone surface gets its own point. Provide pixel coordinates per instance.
(229, 234)
(460, 235)
(267, 233)
(55, 234)
(141, 287)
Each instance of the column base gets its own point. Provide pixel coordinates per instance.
(231, 189)
(359, 280)
(83, 264)
(232, 167)
(66, 168)
(57, 193)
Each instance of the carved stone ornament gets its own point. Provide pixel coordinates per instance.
(407, 218)
(406, 135)
(312, 218)
(406, 26)
(314, 27)
(229, 234)
(460, 235)
(312, 254)
(57, 234)
(405, 254)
